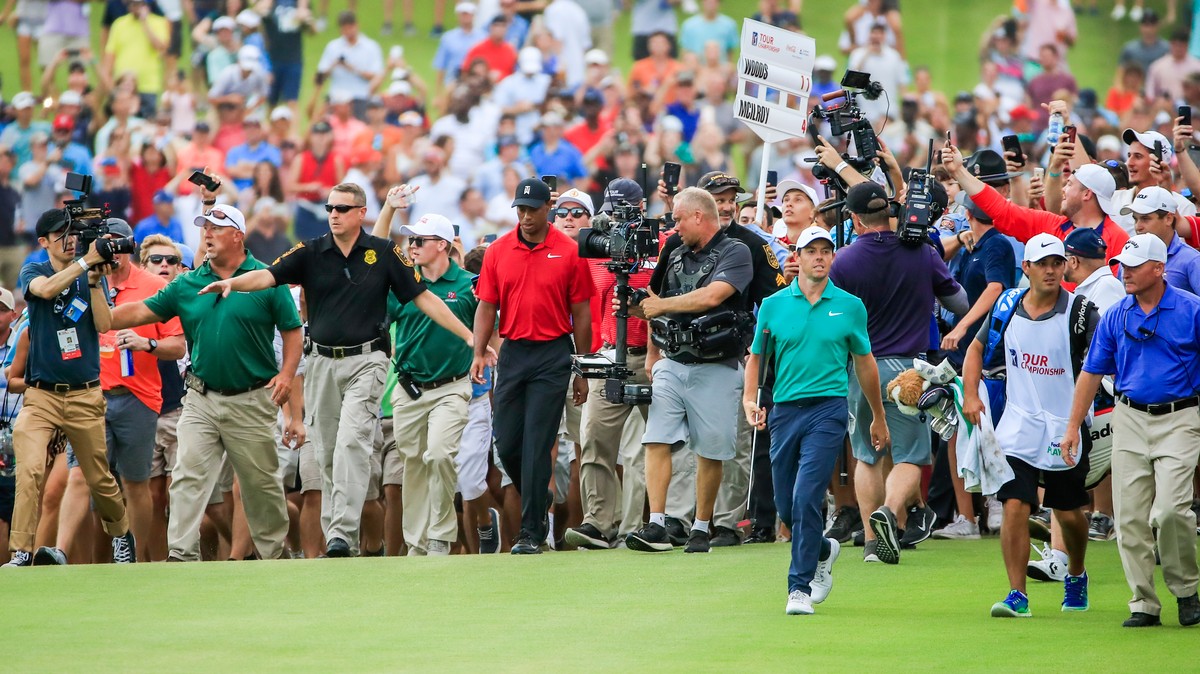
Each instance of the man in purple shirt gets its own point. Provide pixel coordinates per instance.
(66, 28)
(898, 284)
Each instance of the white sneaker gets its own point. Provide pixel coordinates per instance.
(1118, 12)
(1050, 568)
(995, 514)
(437, 548)
(799, 603)
(822, 581)
(960, 529)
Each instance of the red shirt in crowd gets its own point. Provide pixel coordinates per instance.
(534, 289)
(145, 382)
(604, 323)
(143, 185)
(501, 59)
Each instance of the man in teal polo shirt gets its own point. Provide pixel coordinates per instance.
(811, 330)
(234, 387)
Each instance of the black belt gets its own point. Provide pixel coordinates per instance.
(63, 388)
(430, 385)
(631, 350)
(344, 351)
(1159, 409)
(200, 386)
(808, 402)
(118, 391)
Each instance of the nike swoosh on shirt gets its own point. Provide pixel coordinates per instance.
(836, 314)
(551, 257)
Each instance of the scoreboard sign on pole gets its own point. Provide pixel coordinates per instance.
(774, 80)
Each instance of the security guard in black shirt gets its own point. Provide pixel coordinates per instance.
(766, 281)
(346, 276)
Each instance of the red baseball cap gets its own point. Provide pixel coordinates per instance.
(1022, 112)
(64, 122)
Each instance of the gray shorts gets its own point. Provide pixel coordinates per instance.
(697, 405)
(910, 436)
(166, 443)
(130, 427)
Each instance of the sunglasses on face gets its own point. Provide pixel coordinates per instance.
(573, 212)
(418, 241)
(340, 208)
(170, 259)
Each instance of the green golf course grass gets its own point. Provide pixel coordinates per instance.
(573, 611)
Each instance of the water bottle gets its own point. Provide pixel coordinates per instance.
(1055, 129)
(126, 362)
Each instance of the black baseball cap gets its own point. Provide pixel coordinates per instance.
(715, 182)
(973, 208)
(989, 167)
(532, 193)
(1085, 242)
(621, 189)
(866, 198)
(51, 221)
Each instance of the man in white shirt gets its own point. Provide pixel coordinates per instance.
(523, 92)
(352, 63)
(887, 67)
(439, 189)
(1087, 267)
(569, 24)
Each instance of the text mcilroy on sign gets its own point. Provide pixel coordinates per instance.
(774, 80)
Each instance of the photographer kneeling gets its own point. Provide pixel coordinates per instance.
(68, 309)
(696, 324)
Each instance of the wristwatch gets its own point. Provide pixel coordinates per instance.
(153, 344)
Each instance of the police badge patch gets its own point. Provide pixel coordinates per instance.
(369, 256)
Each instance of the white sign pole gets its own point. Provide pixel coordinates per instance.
(760, 212)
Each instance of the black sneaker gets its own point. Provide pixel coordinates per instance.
(1189, 610)
(846, 520)
(650, 538)
(883, 523)
(919, 526)
(859, 538)
(124, 549)
(337, 548)
(677, 533)
(526, 545)
(1039, 525)
(697, 542)
(587, 536)
(19, 558)
(760, 535)
(1137, 619)
(1101, 528)
(47, 556)
(723, 537)
(489, 537)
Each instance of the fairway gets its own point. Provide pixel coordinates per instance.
(572, 611)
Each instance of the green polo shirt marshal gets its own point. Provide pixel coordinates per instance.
(231, 339)
(426, 350)
(812, 343)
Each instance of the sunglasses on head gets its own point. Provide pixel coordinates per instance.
(170, 259)
(340, 208)
(219, 214)
(721, 181)
(573, 212)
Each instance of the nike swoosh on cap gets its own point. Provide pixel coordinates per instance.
(1048, 243)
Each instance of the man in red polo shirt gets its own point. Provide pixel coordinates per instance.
(1087, 202)
(533, 276)
(495, 51)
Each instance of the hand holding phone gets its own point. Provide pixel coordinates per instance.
(202, 179)
(1185, 112)
(551, 182)
(1013, 144)
(772, 178)
(1071, 132)
(670, 176)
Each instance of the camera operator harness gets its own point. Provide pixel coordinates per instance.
(709, 338)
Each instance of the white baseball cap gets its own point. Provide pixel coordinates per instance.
(464, 8)
(576, 197)
(431, 224)
(786, 186)
(1148, 139)
(224, 23)
(23, 100)
(281, 112)
(249, 56)
(1042, 246)
(70, 97)
(596, 57)
(1150, 200)
(1097, 179)
(529, 60)
(340, 96)
(825, 62)
(223, 216)
(399, 88)
(1141, 249)
(1109, 143)
(813, 233)
(249, 18)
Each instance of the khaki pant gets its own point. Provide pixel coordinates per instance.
(633, 475)
(344, 395)
(239, 429)
(80, 416)
(602, 427)
(1153, 460)
(427, 432)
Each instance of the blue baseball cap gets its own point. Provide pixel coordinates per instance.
(188, 258)
(1085, 242)
(161, 197)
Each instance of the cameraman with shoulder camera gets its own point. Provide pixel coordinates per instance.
(68, 309)
(604, 421)
(697, 324)
(898, 283)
